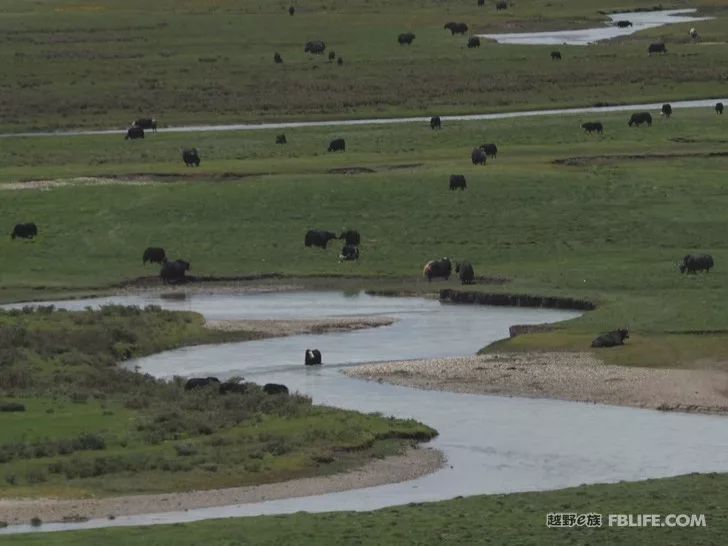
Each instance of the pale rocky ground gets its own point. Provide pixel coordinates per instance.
(279, 328)
(566, 376)
(413, 464)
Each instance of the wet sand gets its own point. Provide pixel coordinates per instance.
(413, 464)
(278, 328)
(565, 376)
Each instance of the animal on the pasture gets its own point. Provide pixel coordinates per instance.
(639, 118)
(457, 182)
(477, 156)
(234, 386)
(435, 122)
(197, 382)
(656, 48)
(693, 264)
(349, 253)
(501, 5)
(275, 388)
(490, 149)
(277, 58)
(465, 272)
(312, 357)
(556, 55)
(481, 3)
(316, 47)
(611, 339)
(332, 55)
(339, 61)
(591, 126)
(719, 108)
(351, 237)
(134, 132)
(456, 28)
(336, 145)
(405, 38)
(281, 139)
(437, 268)
(693, 33)
(666, 110)
(154, 254)
(24, 231)
(474, 41)
(623, 23)
(146, 123)
(291, 10)
(191, 157)
(320, 238)
(174, 272)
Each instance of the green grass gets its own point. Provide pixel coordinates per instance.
(105, 63)
(498, 519)
(92, 428)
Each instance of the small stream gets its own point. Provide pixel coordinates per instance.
(492, 444)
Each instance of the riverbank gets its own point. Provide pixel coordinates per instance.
(579, 377)
(414, 463)
(278, 328)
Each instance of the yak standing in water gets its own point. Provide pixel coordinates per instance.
(312, 357)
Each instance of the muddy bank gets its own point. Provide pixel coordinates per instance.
(277, 328)
(577, 377)
(514, 300)
(413, 464)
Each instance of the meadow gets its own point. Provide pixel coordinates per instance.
(106, 63)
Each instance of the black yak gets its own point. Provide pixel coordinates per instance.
(639, 118)
(555, 55)
(591, 126)
(457, 182)
(435, 122)
(351, 237)
(191, 157)
(656, 48)
(336, 145)
(623, 24)
(474, 41)
(719, 108)
(349, 253)
(693, 264)
(477, 156)
(146, 123)
(316, 47)
(437, 268)
(465, 272)
(275, 388)
(318, 238)
(154, 254)
(134, 132)
(312, 357)
(174, 272)
(611, 339)
(277, 58)
(491, 150)
(666, 110)
(405, 38)
(24, 231)
(197, 382)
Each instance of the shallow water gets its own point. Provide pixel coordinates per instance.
(640, 21)
(492, 444)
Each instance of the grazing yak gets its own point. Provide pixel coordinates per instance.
(134, 132)
(491, 150)
(349, 253)
(501, 5)
(312, 357)
(693, 33)
(291, 10)
(611, 339)
(639, 118)
(623, 24)
(456, 28)
(339, 61)
(24, 231)
(656, 48)
(336, 145)
(351, 237)
(197, 382)
(556, 55)
(154, 254)
(666, 110)
(457, 181)
(316, 47)
(481, 3)
(191, 157)
(591, 126)
(474, 41)
(435, 123)
(320, 238)
(146, 123)
(693, 264)
(275, 388)
(277, 58)
(281, 139)
(332, 56)
(719, 108)
(174, 272)
(465, 272)
(405, 38)
(477, 156)
(437, 268)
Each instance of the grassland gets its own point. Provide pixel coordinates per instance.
(87, 427)
(497, 519)
(105, 63)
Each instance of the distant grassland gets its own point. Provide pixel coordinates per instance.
(559, 212)
(105, 63)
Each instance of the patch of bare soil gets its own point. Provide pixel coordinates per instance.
(581, 161)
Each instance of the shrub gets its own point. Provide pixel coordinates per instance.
(90, 442)
(36, 475)
(185, 450)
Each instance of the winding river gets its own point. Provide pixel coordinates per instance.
(492, 444)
